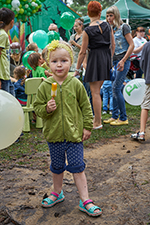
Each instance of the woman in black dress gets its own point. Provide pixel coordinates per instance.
(99, 38)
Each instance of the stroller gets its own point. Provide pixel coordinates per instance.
(135, 66)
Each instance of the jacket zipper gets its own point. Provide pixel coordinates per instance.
(62, 111)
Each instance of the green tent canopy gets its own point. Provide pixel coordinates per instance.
(51, 12)
(134, 14)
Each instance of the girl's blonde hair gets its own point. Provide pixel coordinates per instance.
(33, 60)
(31, 47)
(117, 20)
(58, 44)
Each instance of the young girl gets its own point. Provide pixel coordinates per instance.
(35, 61)
(19, 75)
(123, 48)
(67, 123)
(6, 23)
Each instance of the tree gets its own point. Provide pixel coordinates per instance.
(80, 6)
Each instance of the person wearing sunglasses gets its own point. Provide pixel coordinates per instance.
(15, 56)
(139, 42)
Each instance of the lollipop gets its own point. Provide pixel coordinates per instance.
(54, 90)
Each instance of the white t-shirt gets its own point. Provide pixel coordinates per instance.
(138, 42)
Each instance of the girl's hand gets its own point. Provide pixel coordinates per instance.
(72, 42)
(28, 71)
(86, 134)
(51, 106)
(120, 66)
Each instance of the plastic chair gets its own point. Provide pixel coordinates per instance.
(31, 86)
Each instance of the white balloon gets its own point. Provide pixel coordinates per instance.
(11, 119)
(33, 4)
(15, 3)
(31, 37)
(133, 91)
(17, 9)
(26, 6)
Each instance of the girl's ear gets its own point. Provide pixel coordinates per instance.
(12, 23)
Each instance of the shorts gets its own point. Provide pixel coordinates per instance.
(74, 153)
(146, 100)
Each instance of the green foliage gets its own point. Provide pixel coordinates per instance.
(145, 4)
(80, 6)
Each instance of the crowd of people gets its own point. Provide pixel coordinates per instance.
(102, 51)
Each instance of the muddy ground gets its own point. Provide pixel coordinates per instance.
(118, 174)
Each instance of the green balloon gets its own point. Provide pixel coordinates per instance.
(25, 59)
(53, 35)
(40, 38)
(9, 6)
(67, 20)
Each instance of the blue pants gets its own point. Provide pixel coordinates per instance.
(74, 152)
(6, 85)
(139, 73)
(118, 99)
(107, 94)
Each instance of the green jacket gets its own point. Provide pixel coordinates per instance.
(73, 112)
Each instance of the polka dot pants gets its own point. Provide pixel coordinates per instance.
(74, 153)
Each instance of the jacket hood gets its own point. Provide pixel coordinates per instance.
(51, 80)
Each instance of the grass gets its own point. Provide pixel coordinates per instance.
(24, 152)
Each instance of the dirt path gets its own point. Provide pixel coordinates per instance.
(118, 174)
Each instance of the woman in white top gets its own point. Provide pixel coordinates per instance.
(139, 42)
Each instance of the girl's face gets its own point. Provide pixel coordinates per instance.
(110, 18)
(60, 63)
(77, 27)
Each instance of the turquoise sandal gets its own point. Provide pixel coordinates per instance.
(90, 212)
(60, 197)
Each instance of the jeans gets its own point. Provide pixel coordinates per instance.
(7, 85)
(118, 99)
(107, 94)
(87, 88)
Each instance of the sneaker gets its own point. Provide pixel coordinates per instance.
(104, 112)
(110, 112)
(110, 120)
(138, 136)
(119, 122)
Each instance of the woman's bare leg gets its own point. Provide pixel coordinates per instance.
(97, 102)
